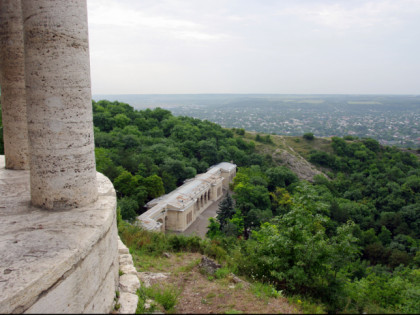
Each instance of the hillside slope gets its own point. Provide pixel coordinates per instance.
(291, 152)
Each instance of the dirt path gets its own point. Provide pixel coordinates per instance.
(199, 293)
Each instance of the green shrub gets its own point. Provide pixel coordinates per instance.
(221, 273)
(308, 136)
(165, 296)
(263, 290)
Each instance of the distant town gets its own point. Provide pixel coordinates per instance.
(390, 119)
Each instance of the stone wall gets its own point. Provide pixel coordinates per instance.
(56, 261)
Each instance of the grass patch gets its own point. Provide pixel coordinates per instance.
(307, 306)
(265, 291)
(221, 273)
(210, 295)
(233, 311)
(191, 265)
(165, 296)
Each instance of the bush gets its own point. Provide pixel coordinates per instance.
(165, 296)
(308, 136)
(128, 208)
(221, 273)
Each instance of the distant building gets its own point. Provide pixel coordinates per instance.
(177, 210)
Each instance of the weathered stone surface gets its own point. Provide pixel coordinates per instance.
(150, 278)
(129, 283)
(12, 80)
(128, 302)
(103, 301)
(208, 265)
(60, 128)
(65, 251)
(235, 279)
(128, 269)
(90, 272)
(122, 249)
(126, 259)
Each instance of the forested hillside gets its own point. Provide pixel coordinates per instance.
(349, 241)
(151, 152)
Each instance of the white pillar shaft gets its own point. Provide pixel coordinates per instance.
(57, 73)
(12, 81)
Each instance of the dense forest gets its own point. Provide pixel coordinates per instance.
(351, 241)
(151, 152)
(348, 241)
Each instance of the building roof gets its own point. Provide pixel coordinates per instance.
(182, 197)
(224, 166)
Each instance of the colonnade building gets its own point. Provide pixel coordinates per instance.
(177, 210)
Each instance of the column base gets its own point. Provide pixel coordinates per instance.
(56, 261)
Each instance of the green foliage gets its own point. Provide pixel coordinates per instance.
(221, 273)
(308, 136)
(154, 186)
(294, 235)
(226, 210)
(167, 296)
(143, 241)
(265, 139)
(280, 176)
(235, 226)
(382, 291)
(213, 229)
(128, 208)
(148, 153)
(265, 291)
(240, 131)
(294, 251)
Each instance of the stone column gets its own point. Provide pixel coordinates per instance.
(58, 94)
(12, 81)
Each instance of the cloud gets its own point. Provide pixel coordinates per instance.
(132, 20)
(354, 14)
(252, 46)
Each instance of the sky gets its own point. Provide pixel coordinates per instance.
(254, 46)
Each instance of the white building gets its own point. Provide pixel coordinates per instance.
(177, 210)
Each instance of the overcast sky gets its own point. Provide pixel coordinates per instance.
(254, 46)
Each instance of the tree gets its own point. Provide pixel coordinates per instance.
(154, 186)
(280, 201)
(308, 136)
(294, 252)
(280, 176)
(226, 210)
(128, 208)
(213, 229)
(385, 236)
(121, 120)
(235, 226)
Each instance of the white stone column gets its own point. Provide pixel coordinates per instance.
(58, 93)
(12, 81)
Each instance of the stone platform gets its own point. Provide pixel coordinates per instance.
(56, 261)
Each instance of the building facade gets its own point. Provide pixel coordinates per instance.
(177, 210)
